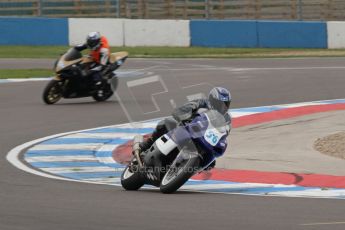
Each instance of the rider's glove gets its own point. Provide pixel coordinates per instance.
(182, 114)
(106, 72)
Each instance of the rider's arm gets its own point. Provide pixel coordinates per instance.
(103, 61)
(104, 56)
(228, 119)
(80, 47)
(186, 111)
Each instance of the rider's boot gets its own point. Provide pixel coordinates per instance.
(157, 133)
(146, 144)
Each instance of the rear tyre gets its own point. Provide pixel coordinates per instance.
(52, 92)
(130, 180)
(179, 172)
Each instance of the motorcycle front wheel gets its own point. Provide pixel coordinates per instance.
(52, 92)
(183, 168)
(103, 94)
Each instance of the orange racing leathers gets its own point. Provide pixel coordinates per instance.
(100, 56)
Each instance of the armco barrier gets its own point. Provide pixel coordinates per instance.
(209, 33)
(111, 28)
(268, 34)
(274, 34)
(336, 35)
(33, 31)
(223, 33)
(140, 32)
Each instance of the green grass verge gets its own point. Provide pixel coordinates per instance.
(155, 52)
(24, 73)
(175, 52)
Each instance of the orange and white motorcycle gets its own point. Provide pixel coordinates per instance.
(70, 80)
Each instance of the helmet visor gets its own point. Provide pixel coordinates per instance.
(92, 43)
(221, 106)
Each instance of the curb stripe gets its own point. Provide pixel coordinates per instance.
(62, 170)
(124, 130)
(84, 140)
(44, 153)
(58, 164)
(308, 180)
(100, 136)
(285, 114)
(60, 155)
(77, 175)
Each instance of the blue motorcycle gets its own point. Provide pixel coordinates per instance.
(175, 157)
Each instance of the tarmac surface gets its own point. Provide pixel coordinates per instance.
(285, 145)
(32, 202)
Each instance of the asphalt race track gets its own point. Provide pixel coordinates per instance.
(33, 202)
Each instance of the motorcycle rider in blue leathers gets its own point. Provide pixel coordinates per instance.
(219, 99)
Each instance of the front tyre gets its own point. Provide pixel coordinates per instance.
(114, 82)
(52, 92)
(103, 94)
(180, 171)
(131, 180)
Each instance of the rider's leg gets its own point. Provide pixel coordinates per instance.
(97, 77)
(162, 128)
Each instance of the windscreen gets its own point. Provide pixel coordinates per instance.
(217, 120)
(72, 54)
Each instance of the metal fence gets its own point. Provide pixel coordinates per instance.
(179, 9)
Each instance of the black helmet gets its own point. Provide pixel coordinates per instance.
(220, 99)
(93, 40)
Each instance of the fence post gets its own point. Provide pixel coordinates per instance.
(128, 9)
(39, 8)
(222, 14)
(293, 9)
(146, 9)
(107, 10)
(329, 14)
(185, 9)
(300, 10)
(118, 9)
(168, 8)
(207, 9)
(257, 8)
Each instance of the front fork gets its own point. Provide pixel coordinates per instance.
(136, 149)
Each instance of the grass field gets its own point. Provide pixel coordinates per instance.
(24, 73)
(156, 52)
(174, 52)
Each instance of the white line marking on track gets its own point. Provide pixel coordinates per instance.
(250, 69)
(79, 169)
(325, 223)
(60, 158)
(16, 80)
(88, 146)
(106, 160)
(106, 180)
(13, 157)
(101, 135)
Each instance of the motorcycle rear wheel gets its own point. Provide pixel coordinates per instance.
(131, 180)
(52, 92)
